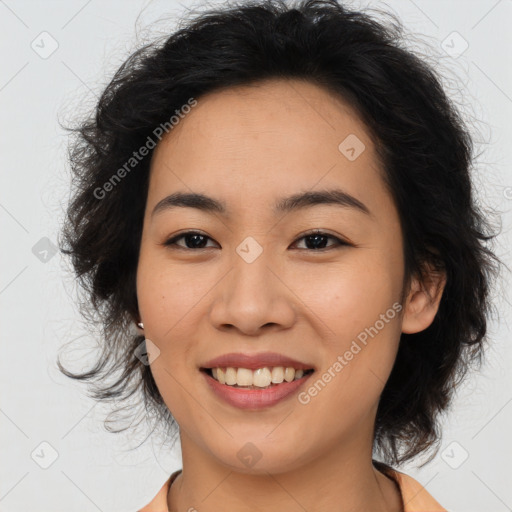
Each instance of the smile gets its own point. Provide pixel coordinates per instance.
(259, 378)
(255, 389)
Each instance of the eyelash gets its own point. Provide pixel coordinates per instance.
(339, 242)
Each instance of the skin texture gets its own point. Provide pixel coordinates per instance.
(249, 146)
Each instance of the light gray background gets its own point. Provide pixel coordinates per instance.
(38, 404)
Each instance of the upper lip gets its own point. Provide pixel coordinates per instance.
(254, 361)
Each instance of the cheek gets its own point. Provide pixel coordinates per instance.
(349, 296)
(168, 295)
(357, 364)
(356, 308)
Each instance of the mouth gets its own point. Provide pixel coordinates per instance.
(256, 379)
(254, 390)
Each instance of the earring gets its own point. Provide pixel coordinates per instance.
(140, 325)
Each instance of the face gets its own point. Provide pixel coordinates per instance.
(254, 279)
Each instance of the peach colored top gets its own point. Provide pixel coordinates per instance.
(414, 496)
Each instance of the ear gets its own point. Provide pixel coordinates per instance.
(422, 302)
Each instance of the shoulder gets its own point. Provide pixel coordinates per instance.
(159, 502)
(414, 495)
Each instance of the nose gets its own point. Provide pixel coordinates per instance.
(253, 297)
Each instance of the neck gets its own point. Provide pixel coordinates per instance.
(340, 480)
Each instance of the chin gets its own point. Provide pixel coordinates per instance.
(257, 456)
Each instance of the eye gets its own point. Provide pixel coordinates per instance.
(195, 239)
(315, 241)
(317, 238)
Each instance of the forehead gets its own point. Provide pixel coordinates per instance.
(251, 142)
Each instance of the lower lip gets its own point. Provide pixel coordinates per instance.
(254, 398)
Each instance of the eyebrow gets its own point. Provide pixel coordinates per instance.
(291, 203)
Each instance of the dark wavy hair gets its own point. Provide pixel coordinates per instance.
(425, 150)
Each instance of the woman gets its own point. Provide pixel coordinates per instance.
(279, 198)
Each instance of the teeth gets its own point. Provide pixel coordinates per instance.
(277, 374)
(260, 378)
(289, 374)
(244, 377)
(230, 376)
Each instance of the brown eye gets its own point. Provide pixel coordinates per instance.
(193, 240)
(316, 241)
